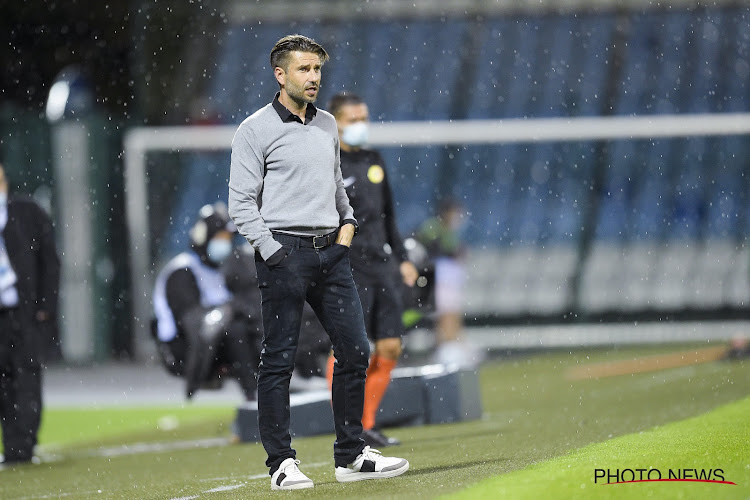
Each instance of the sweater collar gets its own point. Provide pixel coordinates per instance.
(288, 116)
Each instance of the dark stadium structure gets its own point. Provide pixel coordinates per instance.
(559, 231)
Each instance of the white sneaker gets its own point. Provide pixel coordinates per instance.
(289, 477)
(370, 464)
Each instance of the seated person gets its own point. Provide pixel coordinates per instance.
(202, 333)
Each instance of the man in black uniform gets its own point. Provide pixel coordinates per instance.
(203, 326)
(377, 256)
(29, 281)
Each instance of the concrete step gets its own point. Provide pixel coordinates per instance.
(431, 394)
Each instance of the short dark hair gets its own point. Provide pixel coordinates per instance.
(292, 43)
(343, 99)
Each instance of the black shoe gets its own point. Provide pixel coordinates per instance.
(376, 439)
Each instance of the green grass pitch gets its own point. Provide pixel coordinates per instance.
(542, 435)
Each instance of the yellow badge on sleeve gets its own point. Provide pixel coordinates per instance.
(376, 174)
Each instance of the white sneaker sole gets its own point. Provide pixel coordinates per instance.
(299, 486)
(348, 476)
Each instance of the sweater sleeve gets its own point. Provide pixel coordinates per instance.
(245, 186)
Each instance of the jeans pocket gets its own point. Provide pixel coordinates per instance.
(288, 251)
(339, 251)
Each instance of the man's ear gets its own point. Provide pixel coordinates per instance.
(280, 75)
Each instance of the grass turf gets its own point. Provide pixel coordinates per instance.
(715, 440)
(531, 414)
(74, 427)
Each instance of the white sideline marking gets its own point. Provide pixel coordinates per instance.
(138, 448)
(230, 487)
(61, 495)
(134, 449)
(224, 488)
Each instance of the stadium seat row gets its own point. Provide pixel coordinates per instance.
(668, 218)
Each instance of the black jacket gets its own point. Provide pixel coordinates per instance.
(369, 194)
(29, 240)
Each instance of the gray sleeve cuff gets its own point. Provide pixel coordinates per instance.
(268, 248)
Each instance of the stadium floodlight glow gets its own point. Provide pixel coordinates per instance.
(140, 141)
(58, 99)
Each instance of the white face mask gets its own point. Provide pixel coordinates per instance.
(218, 250)
(355, 134)
(3, 198)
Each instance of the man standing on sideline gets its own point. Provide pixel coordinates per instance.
(29, 281)
(377, 255)
(287, 197)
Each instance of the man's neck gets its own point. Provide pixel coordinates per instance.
(296, 108)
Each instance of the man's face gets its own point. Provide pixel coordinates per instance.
(301, 78)
(349, 114)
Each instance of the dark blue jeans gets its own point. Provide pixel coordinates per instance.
(323, 278)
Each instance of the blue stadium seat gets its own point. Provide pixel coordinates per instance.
(480, 191)
(204, 179)
(243, 81)
(493, 60)
(361, 60)
(413, 175)
(586, 83)
(348, 45)
(654, 192)
(611, 225)
(691, 162)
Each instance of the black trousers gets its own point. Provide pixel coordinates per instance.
(20, 390)
(379, 288)
(240, 351)
(323, 278)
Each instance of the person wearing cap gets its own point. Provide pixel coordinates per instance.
(287, 198)
(201, 331)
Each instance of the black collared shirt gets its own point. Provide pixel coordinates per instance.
(287, 116)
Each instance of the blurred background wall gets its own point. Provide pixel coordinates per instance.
(562, 232)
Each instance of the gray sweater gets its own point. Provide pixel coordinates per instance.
(286, 176)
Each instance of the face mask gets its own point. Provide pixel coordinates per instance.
(218, 250)
(3, 198)
(355, 134)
